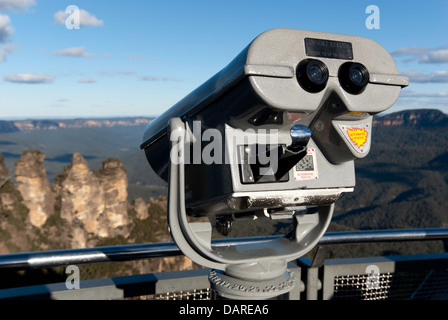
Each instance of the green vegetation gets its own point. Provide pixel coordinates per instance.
(402, 183)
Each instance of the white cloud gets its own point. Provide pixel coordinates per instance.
(79, 52)
(85, 18)
(6, 48)
(5, 28)
(153, 78)
(30, 78)
(412, 99)
(412, 94)
(422, 54)
(440, 76)
(437, 56)
(9, 47)
(16, 5)
(137, 57)
(117, 73)
(87, 80)
(410, 51)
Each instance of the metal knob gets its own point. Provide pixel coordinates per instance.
(300, 136)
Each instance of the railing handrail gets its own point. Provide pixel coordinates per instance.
(385, 235)
(64, 257)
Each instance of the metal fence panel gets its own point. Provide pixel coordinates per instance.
(386, 278)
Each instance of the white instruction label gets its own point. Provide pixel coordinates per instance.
(306, 168)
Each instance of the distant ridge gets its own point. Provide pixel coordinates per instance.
(29, 125)
(8, 126)
(414, 118)
(407, 118)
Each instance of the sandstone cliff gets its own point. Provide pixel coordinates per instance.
(34, 187)
(93, 203)
(13, 215)
(420, 118)
(30, 125)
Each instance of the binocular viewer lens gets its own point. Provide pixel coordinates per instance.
(313, 75)
(353, 77)
(356, 76)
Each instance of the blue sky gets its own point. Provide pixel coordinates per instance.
(138, 58)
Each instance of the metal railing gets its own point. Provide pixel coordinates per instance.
(313, 283)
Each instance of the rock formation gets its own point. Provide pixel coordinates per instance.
(140, 207)
(34, 187)
(83, 208)
(12, 215)
(113, 180)
(94, 203)
(4, 174)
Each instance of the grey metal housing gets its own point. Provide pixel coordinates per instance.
(259, 90)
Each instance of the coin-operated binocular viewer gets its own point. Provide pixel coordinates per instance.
(272, 135)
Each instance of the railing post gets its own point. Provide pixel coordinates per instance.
(310, 276)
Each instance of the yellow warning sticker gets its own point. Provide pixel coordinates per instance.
(358, 136)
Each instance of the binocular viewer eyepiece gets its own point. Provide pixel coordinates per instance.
(313, 75)
(272, 135)
(353, 77)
